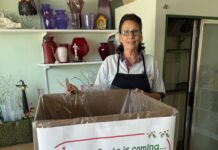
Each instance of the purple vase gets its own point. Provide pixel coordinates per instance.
(44, 8)
(47, 17)
(61, 19)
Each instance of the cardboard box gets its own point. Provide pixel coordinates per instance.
(112, 119)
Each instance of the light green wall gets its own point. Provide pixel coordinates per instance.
(21, 52)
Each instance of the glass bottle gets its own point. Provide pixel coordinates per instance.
(104, 9)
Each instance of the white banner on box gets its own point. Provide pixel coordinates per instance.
(138, 134)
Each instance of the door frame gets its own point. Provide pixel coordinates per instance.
(189, 102)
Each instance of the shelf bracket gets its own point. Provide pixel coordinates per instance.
(46, 68)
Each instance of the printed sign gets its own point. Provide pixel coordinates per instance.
(138, 134)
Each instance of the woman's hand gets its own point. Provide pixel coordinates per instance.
(154, 95)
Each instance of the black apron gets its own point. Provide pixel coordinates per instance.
(131, 81)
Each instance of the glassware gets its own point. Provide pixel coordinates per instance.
(88, 20)
(104, 9)
(82, 47)
(47, 17)
(75, 20)
(61, 19)
(76, 7)
(103, 50)
(49, 49)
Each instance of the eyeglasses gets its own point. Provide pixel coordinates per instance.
(135, 32)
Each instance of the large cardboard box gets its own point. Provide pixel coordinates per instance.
(112, 119)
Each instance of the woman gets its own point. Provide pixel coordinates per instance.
(130, 68)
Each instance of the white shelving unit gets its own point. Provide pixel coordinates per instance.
(93, 37)
(78, 31)
(69, 64)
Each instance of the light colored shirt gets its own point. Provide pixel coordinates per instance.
(108, 70)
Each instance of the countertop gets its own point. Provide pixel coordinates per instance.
(28, 146)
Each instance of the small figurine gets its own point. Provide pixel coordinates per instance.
(75, 49)
(23, 86)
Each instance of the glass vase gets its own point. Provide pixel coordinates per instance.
(61, 19)
(47, 17)
(76, 19)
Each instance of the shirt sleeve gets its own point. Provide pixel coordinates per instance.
(101, 78)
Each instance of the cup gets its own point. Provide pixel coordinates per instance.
(61, 53)
(88, 20)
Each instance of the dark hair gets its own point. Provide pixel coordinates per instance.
(136, 19)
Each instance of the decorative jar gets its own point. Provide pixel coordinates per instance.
(103, 50)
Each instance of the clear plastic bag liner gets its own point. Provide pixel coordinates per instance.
(97, 105)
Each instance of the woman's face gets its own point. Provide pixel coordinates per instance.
(130, 35)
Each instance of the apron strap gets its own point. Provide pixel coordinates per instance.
(118, 64)
(143, 59)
